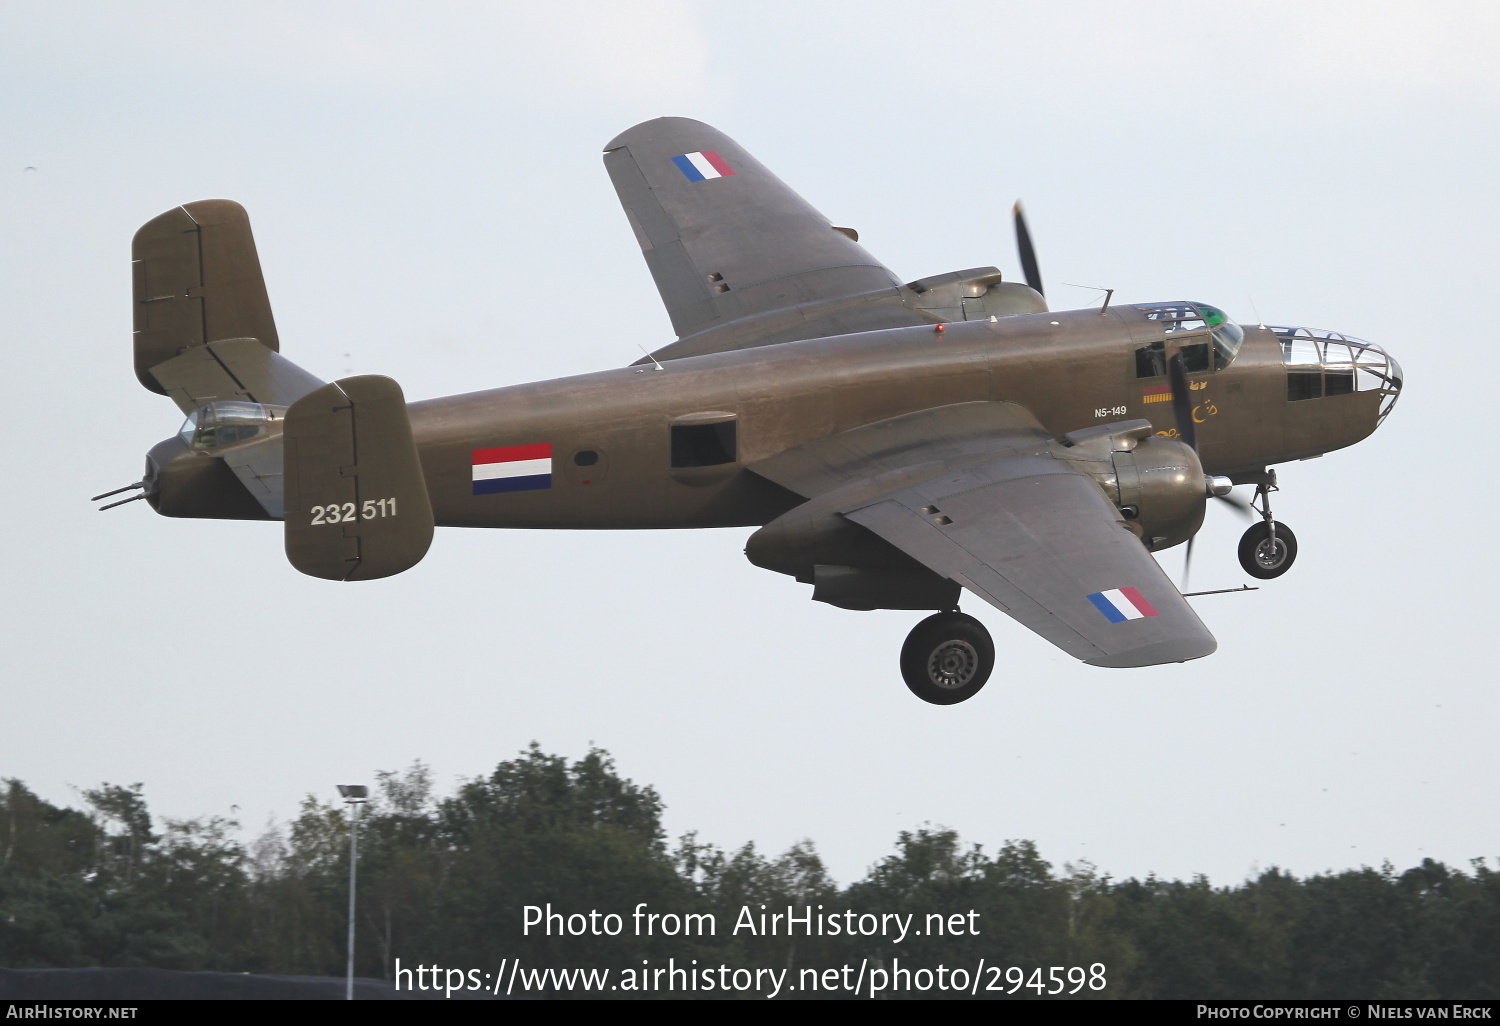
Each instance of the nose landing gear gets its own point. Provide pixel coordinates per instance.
(947, 658)
(1268, 548)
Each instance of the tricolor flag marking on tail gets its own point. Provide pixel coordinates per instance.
(1121, 604)
(702, 166)
(512, 468)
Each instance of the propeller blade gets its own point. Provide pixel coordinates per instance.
(1237, 504)
(1187, 563)
(1182, 404)
(1028, 252)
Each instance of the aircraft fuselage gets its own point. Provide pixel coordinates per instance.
(1072, 369)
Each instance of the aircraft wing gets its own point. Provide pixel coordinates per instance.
(976, 493)
(728, 243)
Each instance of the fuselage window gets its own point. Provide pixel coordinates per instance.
(1303, 385)
(1326, 363)
(1151, 361)
(703, 445)
(585, 458)
(1338, 369)
(1304, 369)
(1318, 367)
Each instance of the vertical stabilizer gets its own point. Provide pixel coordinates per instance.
(356, 501)
(197, 280)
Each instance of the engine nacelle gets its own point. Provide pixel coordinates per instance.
(1157, 482)
(847, 565)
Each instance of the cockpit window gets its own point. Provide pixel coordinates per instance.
(1151, 361)
(1228, 337)
(1175, 317)
(1195, 358)
(226, 422)
(1183, 317)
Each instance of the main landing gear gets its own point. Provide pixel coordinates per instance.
(1268, 548)
(947, 658)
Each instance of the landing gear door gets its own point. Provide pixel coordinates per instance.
(356, 502)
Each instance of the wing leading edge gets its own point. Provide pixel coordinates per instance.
(978, 494)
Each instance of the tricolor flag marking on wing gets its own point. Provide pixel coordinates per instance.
(1121, 604)
(512, 468)
(702, 166)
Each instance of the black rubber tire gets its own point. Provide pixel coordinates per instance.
(1255, 556)
(947, 658)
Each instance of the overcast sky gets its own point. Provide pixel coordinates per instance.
(426, 190)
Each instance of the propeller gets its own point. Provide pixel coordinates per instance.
(1239, 505)
(1182, 409)
(1028, 252)
(1182, 404)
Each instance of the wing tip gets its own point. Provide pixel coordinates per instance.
(623, 139)
(1178, 650)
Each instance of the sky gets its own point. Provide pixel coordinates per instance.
(429, 203)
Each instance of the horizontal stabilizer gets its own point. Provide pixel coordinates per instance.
(234, 368)
(356, 501)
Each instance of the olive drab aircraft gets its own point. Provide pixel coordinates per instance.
(896, 444)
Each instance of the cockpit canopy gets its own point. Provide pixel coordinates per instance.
(1184, 317)
(228, 421)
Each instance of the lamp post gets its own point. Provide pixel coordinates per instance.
(354, 796)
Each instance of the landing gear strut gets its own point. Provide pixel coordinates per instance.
(1268, 548)
(947, 658)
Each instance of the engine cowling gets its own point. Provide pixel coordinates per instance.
(1157, 482)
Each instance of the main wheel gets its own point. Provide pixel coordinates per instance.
(1264, 558)
(947, 658)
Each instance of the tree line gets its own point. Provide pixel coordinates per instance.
(446, 880)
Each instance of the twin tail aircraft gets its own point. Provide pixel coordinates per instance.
(896, 444)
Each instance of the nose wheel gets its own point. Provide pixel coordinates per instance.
(947, 658)
(1268, 548)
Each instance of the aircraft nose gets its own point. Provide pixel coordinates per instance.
(1329, 363)
(1387, 379)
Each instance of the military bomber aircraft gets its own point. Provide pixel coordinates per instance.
(895, 443)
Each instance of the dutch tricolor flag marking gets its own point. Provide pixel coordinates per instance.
(1121, 604)
(701, 166)
(512, 468)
